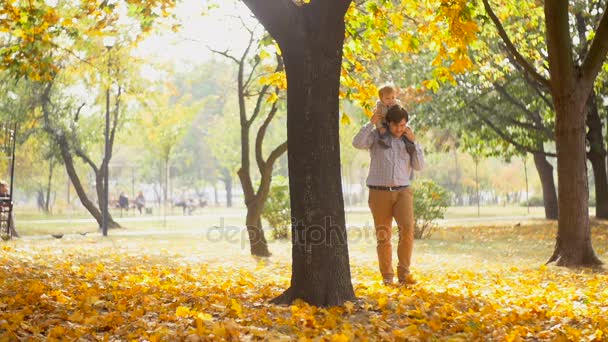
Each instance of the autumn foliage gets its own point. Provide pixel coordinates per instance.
(475, 283)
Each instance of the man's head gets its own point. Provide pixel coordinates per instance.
(387, 95)
(397, 118)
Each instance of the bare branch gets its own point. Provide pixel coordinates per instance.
(276, 153)
(259, 139)
(224, 53)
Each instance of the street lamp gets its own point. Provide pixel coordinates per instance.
(108, 42)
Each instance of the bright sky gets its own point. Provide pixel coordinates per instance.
(220, 30)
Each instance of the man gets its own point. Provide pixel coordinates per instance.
(390, 194)
(5, 204)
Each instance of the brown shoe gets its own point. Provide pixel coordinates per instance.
(408, 280)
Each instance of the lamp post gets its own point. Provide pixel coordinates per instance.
(105, 207)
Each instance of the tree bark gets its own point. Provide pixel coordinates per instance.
(255, 231)
(227, 179)
(597, 157)
(311, 39)
(570, 87)
(545, 173)
(66, 151)
(84, 199)
(216, 200)
(47, 201)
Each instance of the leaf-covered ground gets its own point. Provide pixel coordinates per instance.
(474, 283)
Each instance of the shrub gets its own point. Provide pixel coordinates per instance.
(277, 210)
(430, 203)
(534, 201)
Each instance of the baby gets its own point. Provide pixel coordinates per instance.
(388, 98)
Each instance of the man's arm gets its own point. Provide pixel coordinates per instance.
(365, 138)
(417, 158)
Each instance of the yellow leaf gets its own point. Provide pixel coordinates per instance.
(183, 311)
(339, 338)
(236, 307)
(345, 119)
(204, 316)
(272, 98)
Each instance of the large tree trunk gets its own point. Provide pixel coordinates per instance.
(312, 53)
(570, 88)
(597, 157)
(545, 173)
(573, 243)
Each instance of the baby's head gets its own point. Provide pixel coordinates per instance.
(388, 95)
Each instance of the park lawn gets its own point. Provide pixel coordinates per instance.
(475, 282)
(32, 222)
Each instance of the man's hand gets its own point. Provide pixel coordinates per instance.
(409, 134)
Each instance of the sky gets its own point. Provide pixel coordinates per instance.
(219, 29)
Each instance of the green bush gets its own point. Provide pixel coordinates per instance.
(534, 201)
(277, 209)
(430, 203)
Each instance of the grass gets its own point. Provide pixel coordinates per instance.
(32, 222)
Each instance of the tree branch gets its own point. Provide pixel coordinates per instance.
(114, 123)
(225, 54)
(512, 49)
(505, 136)
(533, 116)
(276, 153)
(259, 139)
(595, 57)
(276, 16)
(82, 155)
(559, 47)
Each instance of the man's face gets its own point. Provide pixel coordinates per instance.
(3, 190)
(397, 129)
(388, 99)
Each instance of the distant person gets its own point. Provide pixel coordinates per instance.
(5, 204)
(123, 201)
(390, 194)
(140, 201)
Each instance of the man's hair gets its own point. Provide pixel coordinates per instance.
(396, 113)
(386, 90)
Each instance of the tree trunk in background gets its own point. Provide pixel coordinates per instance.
(545, 173)
(215, 197)
(47, 201)
(597, 157)
(227, 179)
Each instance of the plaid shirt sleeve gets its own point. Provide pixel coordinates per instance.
(365, 138)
